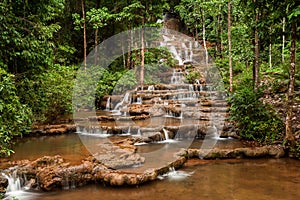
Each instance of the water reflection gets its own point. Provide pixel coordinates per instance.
(213, 180)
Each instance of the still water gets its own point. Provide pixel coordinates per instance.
(240, 179)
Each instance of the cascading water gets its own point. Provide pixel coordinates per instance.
(176, 55)
(14, 182)
(18, 187)
(139, 100)
(151, 88)
(177, 77)
(166, 134)
(127, 99)
(175, 175)
(108, 101)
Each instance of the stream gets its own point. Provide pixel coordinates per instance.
(265, 179)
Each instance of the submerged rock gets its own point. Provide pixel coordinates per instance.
(3, 184)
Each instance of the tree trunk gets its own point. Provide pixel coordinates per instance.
(256, 52)
(270, 48)
(123, 54)
(283, 39)
(142, 58)
(96, 49)
(204, 40)
(229, 49)
(84, 34)
(290, 94)
(218, 45)
(129, 49)
(96, 58)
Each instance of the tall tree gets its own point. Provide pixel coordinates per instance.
(84, 33)
(229, 48)
(256, 47)
(290, 94)
(293, 18)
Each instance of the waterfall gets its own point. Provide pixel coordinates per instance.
(139, 132)
(166, 134)
(107, 107)
(126, 100)
(191, 88)
(176, 77)
(14, 182)
(129, 131)
(151, 88)
(176, 55)
(139, 100)
(176, 175)
(191, 51)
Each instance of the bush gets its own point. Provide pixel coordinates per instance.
(14, 117)
(48, 94)
(192, 76)
(254, 119)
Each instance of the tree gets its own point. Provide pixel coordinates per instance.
(229, 48)
(290, 93)
(27, 41)
(14, 116)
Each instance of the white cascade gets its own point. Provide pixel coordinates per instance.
(108, 101)
(166, 134)
(151, 88)
(176, 55)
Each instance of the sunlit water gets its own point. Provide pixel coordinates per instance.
(240, 179)
(264, 179)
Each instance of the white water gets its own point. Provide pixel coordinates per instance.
(175, 175)
(166, 134)
(95, 132)
(176, 55)
(151, 87)
(139, 100)
(17, 187)
(139, 132)
(177, 77)
(126, 100)
(107, 107)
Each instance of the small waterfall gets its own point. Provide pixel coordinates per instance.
(129, 130)
(177, 77)
(151, 88)
(108, 101)
(191, 51)
(175, 175)
(176, 55)
(14, 182)
(166, 134)
(126, 100)
(139, 100)
(191, 88)
(139, 132)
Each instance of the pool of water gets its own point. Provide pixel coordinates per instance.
(240, 179)
(263, 179)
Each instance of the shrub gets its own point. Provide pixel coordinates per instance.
(254, 119)
(14, 116)
(48, 94)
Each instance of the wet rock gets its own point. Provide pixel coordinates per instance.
(49, 178)
(274, 151)
(3, 184)
(54, 129)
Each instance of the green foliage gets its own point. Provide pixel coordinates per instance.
(14, 116)
(254, 119)
(297, 150)
(48, 94)
(192, 76)
(27, 34)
